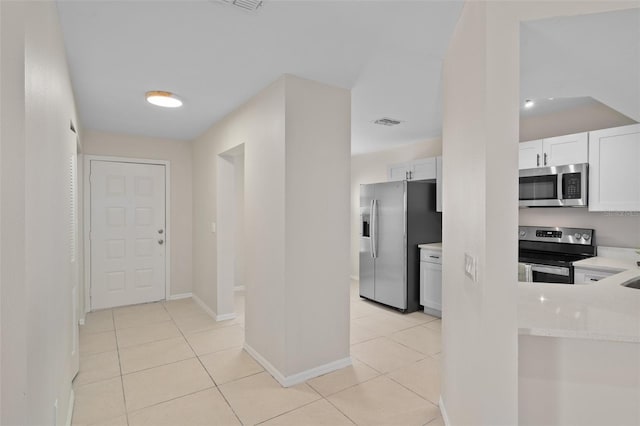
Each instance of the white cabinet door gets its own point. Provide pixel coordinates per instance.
(530, 155)
(399, 171)
(614, 171)
(439, 184)
(413, 170)
(431, 280)
(587, 276)
(423, 169)
(567, 149)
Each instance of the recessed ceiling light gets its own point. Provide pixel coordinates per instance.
(528, 103)
(163, 99)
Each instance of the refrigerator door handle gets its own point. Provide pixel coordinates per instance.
(374, 228)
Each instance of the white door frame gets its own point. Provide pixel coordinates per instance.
(87, 219)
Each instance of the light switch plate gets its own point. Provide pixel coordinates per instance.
(213, 227)
(470, 267)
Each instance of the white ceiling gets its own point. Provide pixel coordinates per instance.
(388, 52)
(575, 57)
(216, 57)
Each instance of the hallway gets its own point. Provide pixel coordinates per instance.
(170, 363)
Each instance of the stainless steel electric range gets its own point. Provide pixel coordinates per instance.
(550, 252)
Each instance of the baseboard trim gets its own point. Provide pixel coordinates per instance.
(72, 401)
(179, 296)
(443, 411)
(354, 277)
(207, 309)
(288, 381)
(238, 288)
(225, 317)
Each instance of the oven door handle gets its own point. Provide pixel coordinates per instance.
(555, 270)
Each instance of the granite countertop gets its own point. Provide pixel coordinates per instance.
(604, 310)
(436, 246)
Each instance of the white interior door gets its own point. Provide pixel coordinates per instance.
(127, 233)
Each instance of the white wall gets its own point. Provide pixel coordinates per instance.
(479, 339)
(37, 105)
(179, 154)
(481, 86)
(318, 149)
(296, 219)
(559, 385)
(238, 164)
(372, 168)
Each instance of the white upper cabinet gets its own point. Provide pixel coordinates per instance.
(424, 169)
(530, 154)
(568, 149)
(413, 170)
(399, 171)
(614, 169)
(556, 151)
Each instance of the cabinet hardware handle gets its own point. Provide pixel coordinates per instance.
(435, 257)
(545, 158)
(538, 160)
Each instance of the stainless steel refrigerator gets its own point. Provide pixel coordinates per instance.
(394, 218)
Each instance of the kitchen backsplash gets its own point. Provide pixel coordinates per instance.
(614, 229)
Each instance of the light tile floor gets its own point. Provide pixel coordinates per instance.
(171, 364)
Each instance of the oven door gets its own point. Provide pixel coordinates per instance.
(551, 274)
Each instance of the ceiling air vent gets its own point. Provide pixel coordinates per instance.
(387, 122)
(249, 5)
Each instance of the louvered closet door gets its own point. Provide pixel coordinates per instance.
(127, 233)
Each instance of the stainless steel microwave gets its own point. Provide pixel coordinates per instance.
(559, 186)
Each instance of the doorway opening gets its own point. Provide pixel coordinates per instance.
(230, 233)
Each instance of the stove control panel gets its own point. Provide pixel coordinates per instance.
(556, 235)
(548, 234)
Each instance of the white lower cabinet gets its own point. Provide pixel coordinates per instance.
(590, 276)
(431, 281)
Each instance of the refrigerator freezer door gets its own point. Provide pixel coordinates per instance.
(390, 262)
(366, 270)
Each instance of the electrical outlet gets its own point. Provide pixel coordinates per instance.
(470, 269)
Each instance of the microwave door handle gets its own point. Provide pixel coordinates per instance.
(560, 191)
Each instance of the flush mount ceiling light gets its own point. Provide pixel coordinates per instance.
(528, 103)
(163, 99)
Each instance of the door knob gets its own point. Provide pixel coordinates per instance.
(160, 231)
(160, 242)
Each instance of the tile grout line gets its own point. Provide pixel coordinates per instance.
(339, 410)
(410, 390)
(215, 385)
(174, 362)
(124, 396)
